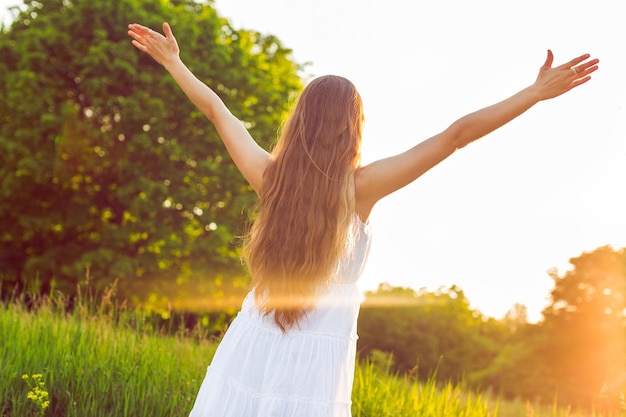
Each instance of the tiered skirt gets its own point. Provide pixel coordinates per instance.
(260, 371)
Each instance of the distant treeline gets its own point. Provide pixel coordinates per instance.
(576, 355)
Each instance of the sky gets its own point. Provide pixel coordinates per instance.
(497, 215)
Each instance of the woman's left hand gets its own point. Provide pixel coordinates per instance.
(552, 82)
(164, 49)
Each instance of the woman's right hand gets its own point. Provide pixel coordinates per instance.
(552, 82)
(164, 49)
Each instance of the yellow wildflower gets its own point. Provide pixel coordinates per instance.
(37, 394)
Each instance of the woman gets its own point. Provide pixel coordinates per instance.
(291, 349)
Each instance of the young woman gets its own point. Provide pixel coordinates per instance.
(291, 349)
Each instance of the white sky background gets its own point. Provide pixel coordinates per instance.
(496, 215)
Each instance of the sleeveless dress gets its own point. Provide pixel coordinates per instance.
(259, 371)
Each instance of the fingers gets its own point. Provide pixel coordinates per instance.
(167, 30)
(555, 81)
(162, 49)
(140, 29)
(582, 72)
(575, 61)
(585, 69)
(579, 69)
(139, 46)
(142, 35)
(578, 82)
(549, 60)
(138, 40)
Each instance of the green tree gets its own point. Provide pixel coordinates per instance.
(587, 348)
(576, 355)
(520, 369)
(105, 165)
(428, 332)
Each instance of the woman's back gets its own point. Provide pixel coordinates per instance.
(308, 370)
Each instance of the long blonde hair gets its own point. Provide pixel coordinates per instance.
(306, 200)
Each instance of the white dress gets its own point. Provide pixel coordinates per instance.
(258, 371)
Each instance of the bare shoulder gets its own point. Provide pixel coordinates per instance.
(364, 201)
(385, 176)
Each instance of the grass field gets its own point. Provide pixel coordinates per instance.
(103, 360)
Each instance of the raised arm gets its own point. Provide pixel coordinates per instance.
(249, 157)
(385, 176)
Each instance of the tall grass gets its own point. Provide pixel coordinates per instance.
(106, 360)
(377, 393)
(96, 361)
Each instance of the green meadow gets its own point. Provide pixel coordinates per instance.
(108, 360)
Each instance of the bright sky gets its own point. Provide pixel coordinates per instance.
(495, 216)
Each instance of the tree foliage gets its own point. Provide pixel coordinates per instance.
(428, 332)
(105, 165)
(586, 318)
(577, 354)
